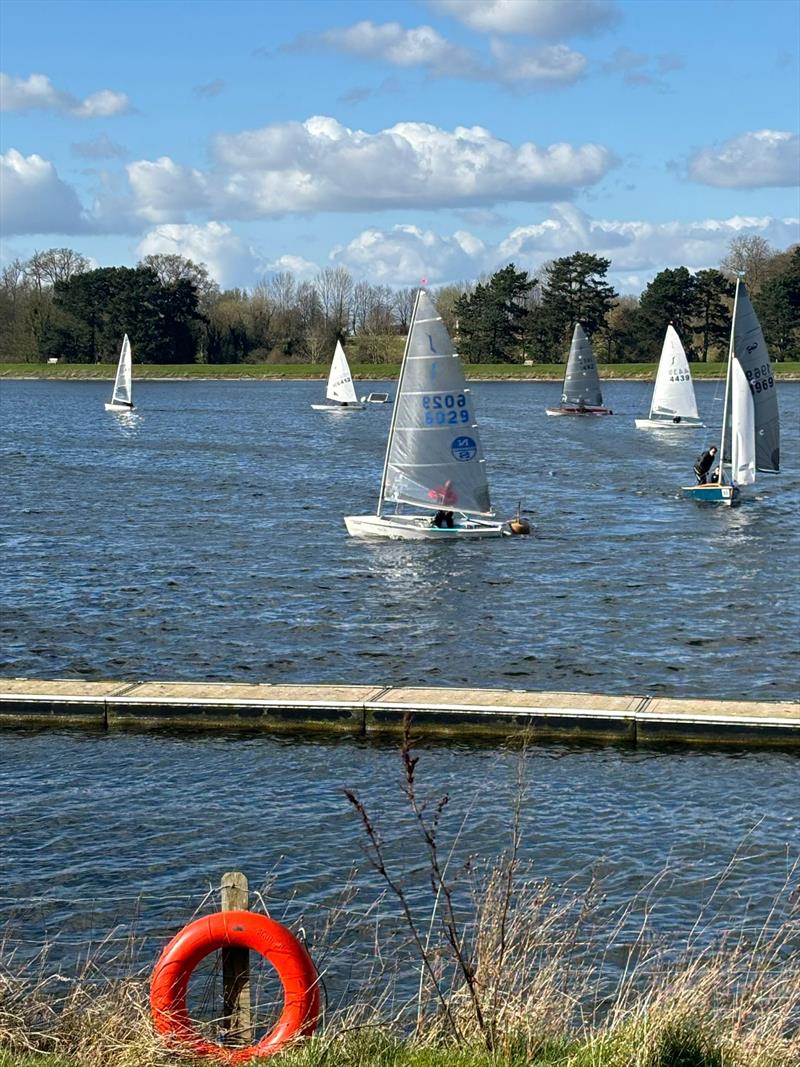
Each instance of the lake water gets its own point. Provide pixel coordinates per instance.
(202, 538)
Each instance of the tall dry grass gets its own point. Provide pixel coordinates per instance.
(498, 968)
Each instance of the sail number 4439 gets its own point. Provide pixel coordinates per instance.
(445, 409)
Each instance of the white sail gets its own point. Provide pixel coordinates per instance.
(123, 385)
(434, 458)
(581, 380)
(673, 395)
(743, 428)
(340, 381)
(750, 351)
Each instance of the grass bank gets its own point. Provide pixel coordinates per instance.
(360, 371)
(466, 964)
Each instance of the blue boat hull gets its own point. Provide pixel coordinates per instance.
(728, 495)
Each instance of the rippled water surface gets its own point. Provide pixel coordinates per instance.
(202, 538)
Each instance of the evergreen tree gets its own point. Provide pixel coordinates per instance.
(492, 319)
(713, 294)
(778, 308)
(671, 297)
(575, 291)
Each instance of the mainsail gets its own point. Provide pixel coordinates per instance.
(673, 395)
(434, 457)
(340, 381)
(581, 381)
(122, 383)
(750, 351)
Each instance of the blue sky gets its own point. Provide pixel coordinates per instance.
(439, 138)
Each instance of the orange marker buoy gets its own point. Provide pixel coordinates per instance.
(244, 929)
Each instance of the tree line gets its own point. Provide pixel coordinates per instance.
(54, 306)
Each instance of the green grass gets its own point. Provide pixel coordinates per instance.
(361, 371)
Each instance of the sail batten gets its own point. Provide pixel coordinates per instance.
(434, 458)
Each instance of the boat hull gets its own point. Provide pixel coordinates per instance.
(668, 424)
(578, 411)
(418, 528)
(338, 407)
(119, 407)
(713, 493)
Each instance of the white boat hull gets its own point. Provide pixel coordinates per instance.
(119, 407)
(419, 528)
(338, 407)
(668, 424)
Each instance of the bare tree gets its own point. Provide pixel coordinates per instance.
(56, 265)
(334, 286)
(404, 307)
(749, 255)
(283, 290)
(172, 268)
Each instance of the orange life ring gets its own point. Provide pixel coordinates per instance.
(245, 929)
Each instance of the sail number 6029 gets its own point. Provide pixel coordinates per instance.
(445, 409)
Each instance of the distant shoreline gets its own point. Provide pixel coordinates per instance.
(364, 373)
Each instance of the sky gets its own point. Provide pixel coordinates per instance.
(428, 138)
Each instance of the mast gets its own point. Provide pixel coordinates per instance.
(396, 405)
(728, 385)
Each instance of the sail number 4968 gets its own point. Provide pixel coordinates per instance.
(445, 409)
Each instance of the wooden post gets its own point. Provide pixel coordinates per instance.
(236, 966)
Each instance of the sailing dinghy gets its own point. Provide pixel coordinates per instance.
(122, 397)
(750, 439)
(341, 393)
(673, 405)
(434, 460)
(581, 394)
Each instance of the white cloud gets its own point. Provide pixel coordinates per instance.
(302, 268)
(37, 93)
(392, 43)
(404, 254)
(320, 165)
(549, 19)
(35, 199)
(229, 259)
(637, 249)
(749, 161)
(553, 66)
(423, 46)
(164, 191)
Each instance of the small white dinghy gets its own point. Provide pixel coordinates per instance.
(673, 406)
(341, 393)
(122, 397)
(433, 459)
(581, 394)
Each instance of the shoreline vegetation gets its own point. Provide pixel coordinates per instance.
(466, 964)
(542, 372)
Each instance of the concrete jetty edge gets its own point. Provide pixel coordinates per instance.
(368, 710)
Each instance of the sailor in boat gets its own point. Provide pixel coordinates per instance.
(703, 465)
(444, 494)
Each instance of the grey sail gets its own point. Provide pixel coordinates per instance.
(751, 351)
(581, 381)
(434, 457)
